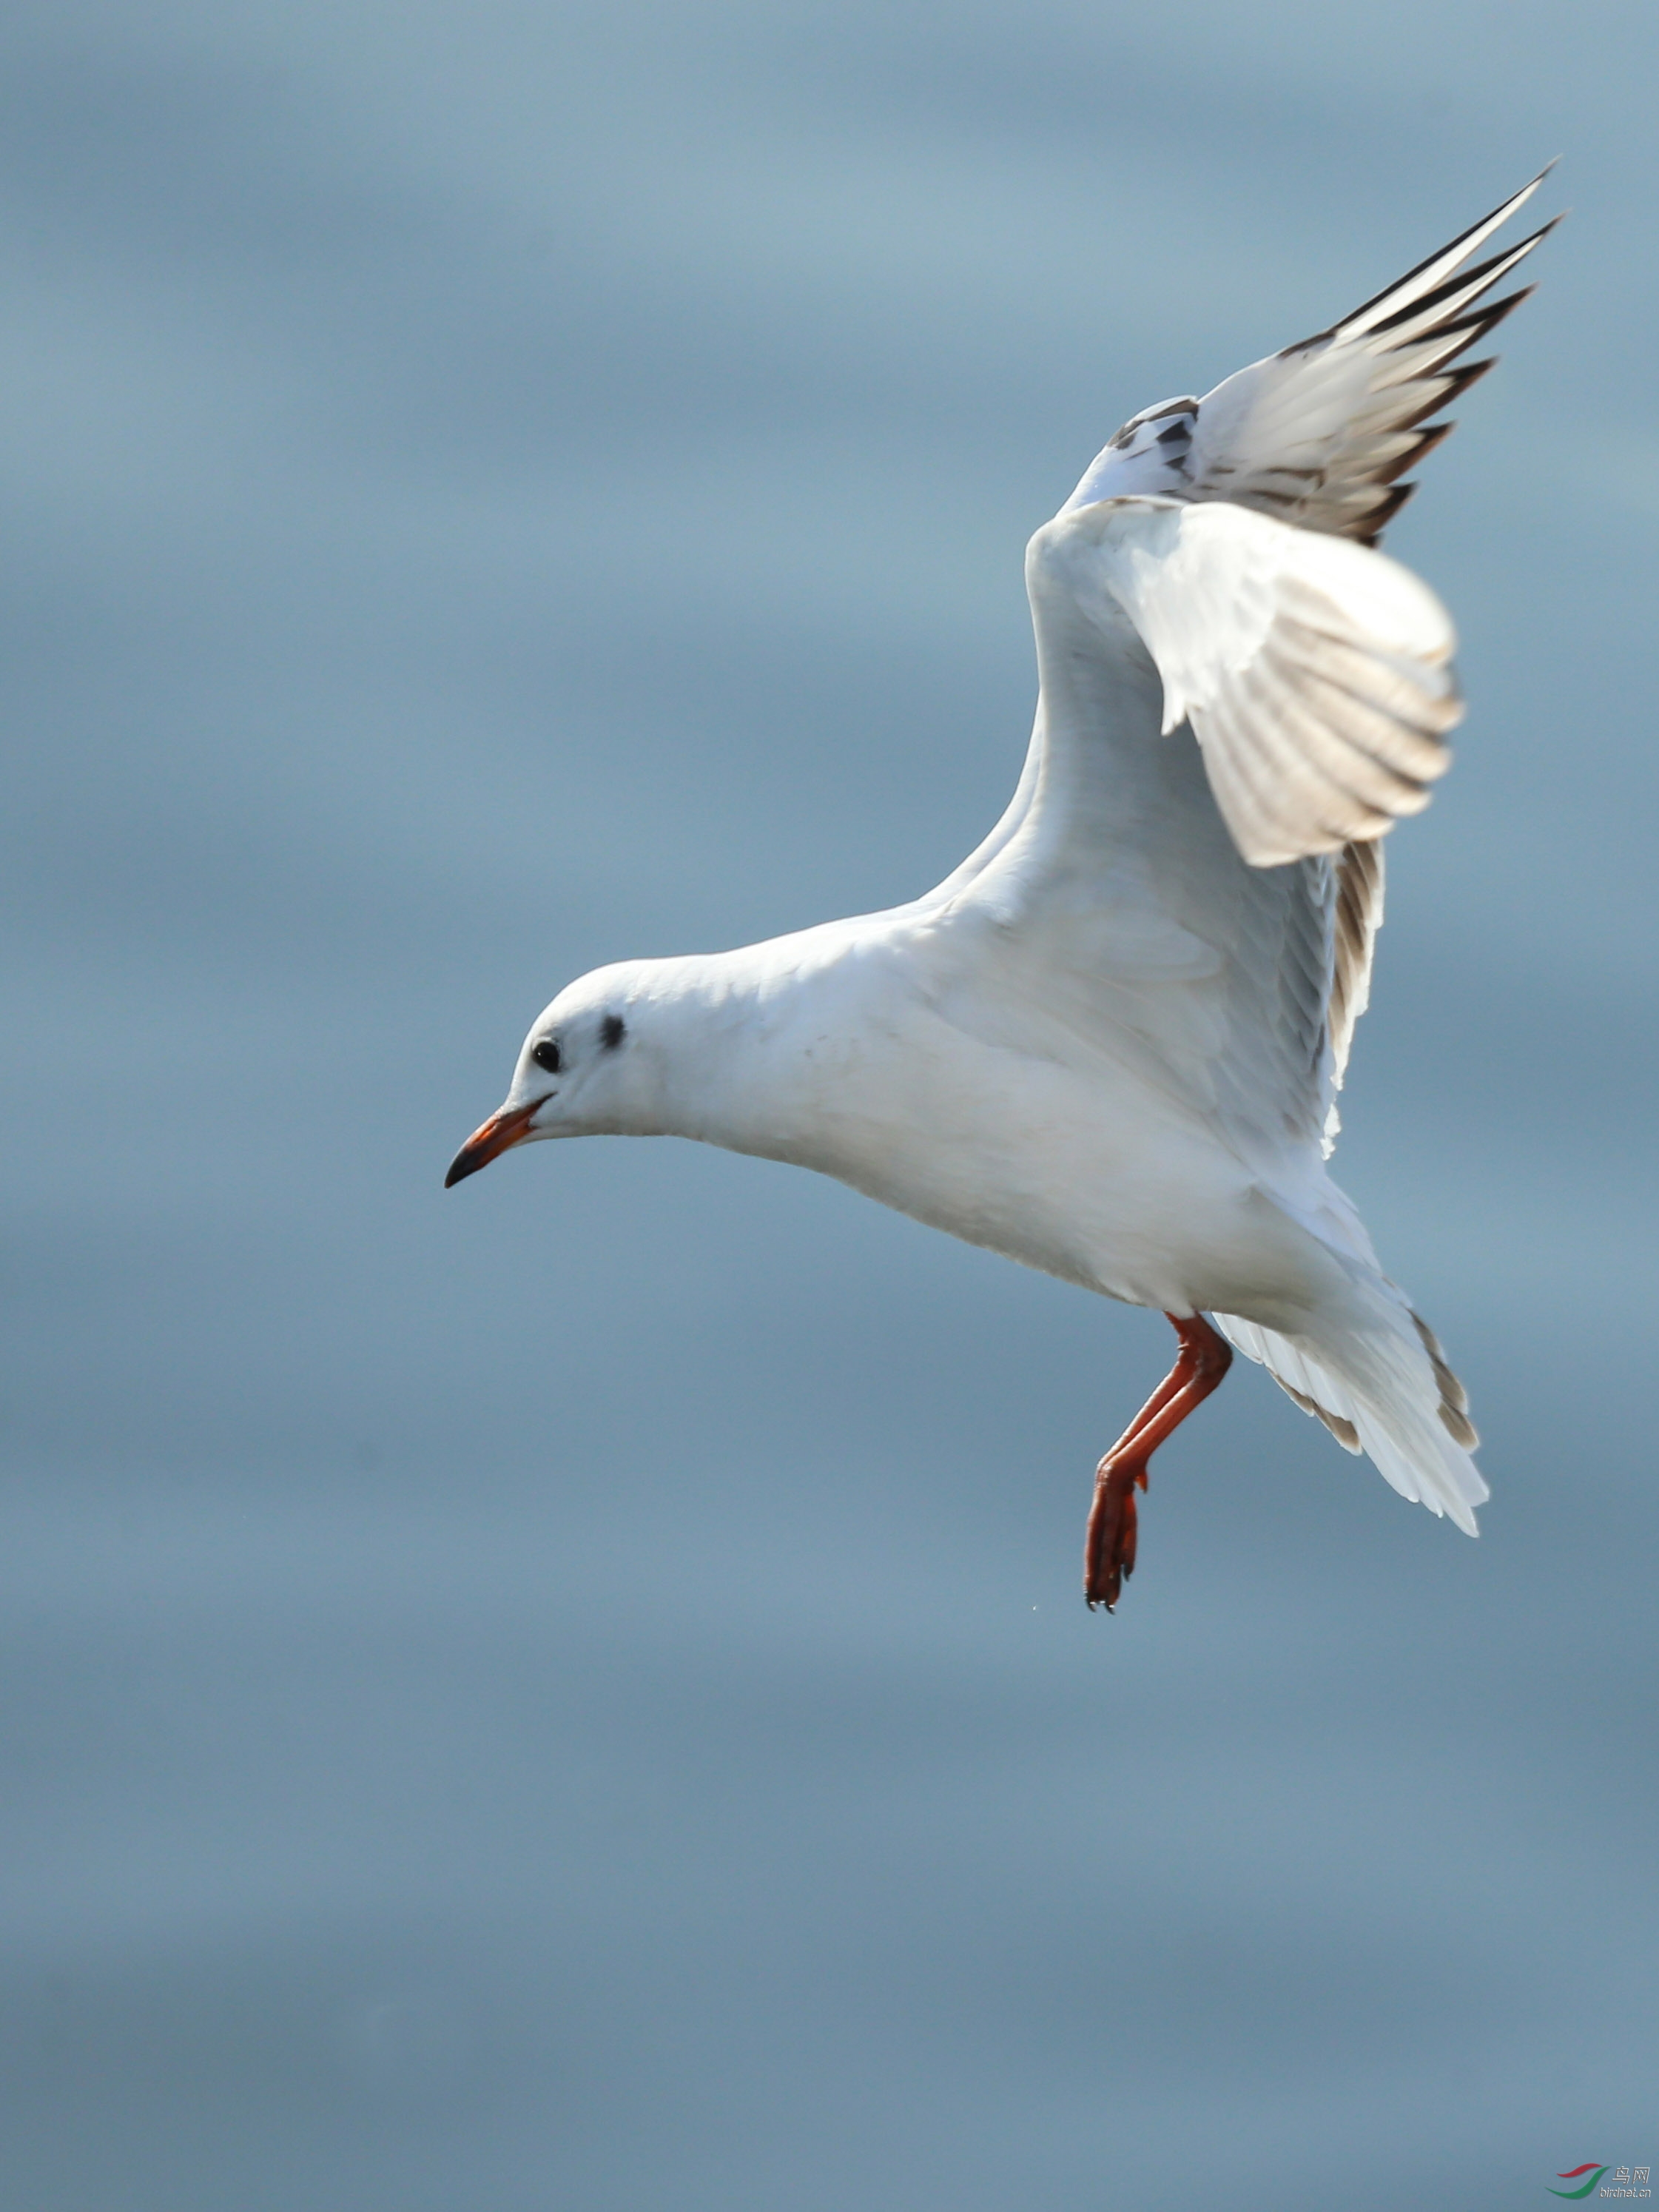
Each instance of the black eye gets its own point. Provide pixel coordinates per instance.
(612, 1029)
(546, 1055)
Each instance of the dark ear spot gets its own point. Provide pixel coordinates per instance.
(612, 1029)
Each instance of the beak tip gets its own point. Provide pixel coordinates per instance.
(498, 1134)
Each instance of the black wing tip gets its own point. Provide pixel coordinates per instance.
(1491, 270)
(1475, 323)
(1383, 514)
(1421, 447)
(1454, 382)
(1490, 221)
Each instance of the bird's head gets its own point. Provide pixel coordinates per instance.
(586, 1069)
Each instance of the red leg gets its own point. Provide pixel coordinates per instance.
(1108, 1555)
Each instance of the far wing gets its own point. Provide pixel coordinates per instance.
(1215, 891)
(1316, 675)
(1321, 434)
(1113, 913)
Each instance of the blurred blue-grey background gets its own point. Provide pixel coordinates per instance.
(574, 1694)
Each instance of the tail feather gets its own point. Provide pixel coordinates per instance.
(1453, 1398)
(1381, 1385)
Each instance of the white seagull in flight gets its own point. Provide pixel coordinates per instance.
(1109, 1044)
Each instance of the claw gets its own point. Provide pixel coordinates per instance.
(1113, 1529)
(1109, 1553)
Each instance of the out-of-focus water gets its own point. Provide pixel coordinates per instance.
(573, 1693)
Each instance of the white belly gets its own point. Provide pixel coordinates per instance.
(1088, 1174)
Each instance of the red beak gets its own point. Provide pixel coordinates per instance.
(499, 1134)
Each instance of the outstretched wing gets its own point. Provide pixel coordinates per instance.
(1214, 891)
(1114, 912)
(1316, 675)
(1321, 434)
(1231, 707)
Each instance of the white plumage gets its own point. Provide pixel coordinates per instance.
(1108, 1044)
(1316, 676)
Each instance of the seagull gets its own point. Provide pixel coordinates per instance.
(1109, 1044)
